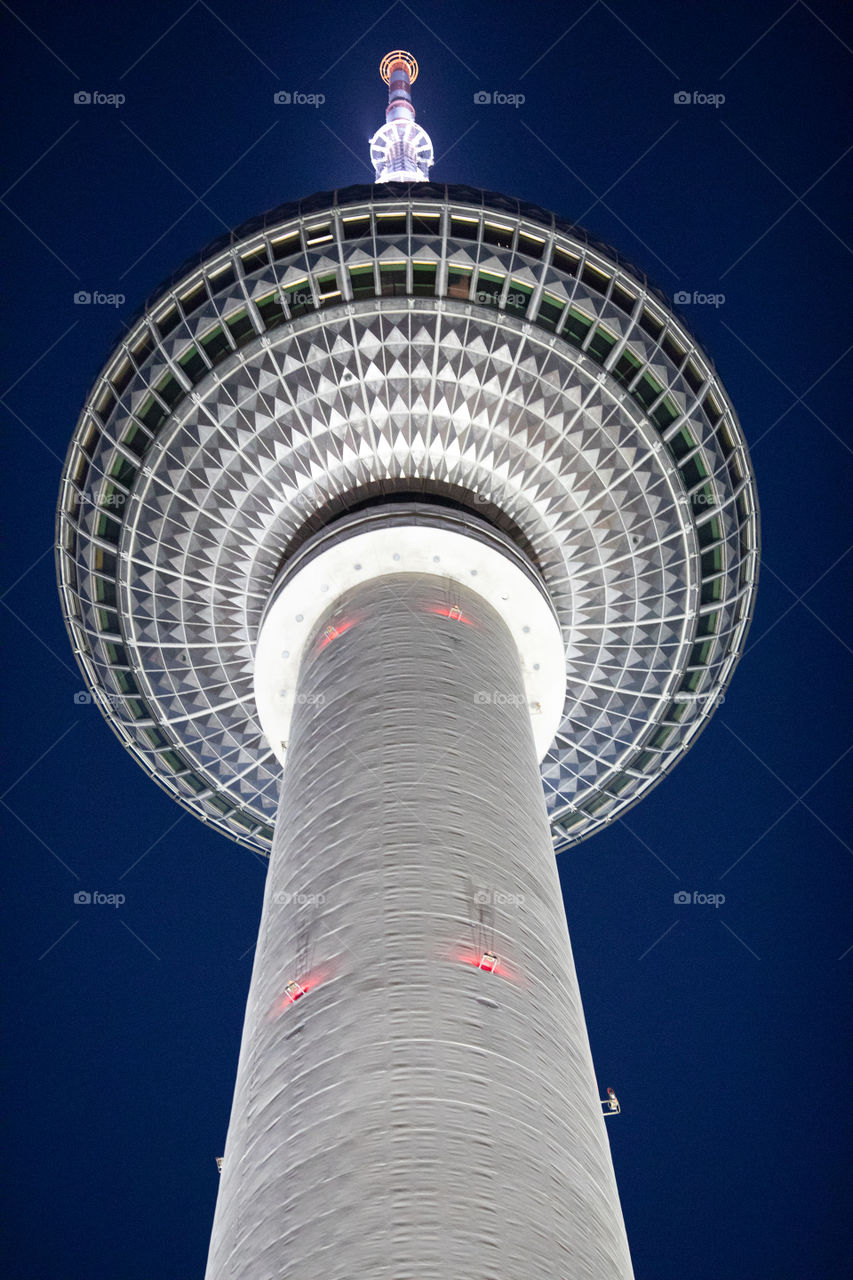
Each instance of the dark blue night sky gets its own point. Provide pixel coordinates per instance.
(721, 1029)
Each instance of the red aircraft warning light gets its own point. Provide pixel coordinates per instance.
(293, 992)
(453, 612)
(488, 962)
(331, 632)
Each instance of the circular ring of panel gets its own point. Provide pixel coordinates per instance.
(426, 544)
(390, 61)
(428, 338)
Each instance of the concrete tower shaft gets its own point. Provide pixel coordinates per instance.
(412, 1116)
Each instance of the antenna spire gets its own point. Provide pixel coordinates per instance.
(401, 151)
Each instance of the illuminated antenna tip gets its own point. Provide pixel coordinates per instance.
(401, 151)
(391, 60)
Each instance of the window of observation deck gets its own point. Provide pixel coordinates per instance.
(361, 282)
(391, 224)
(423, 279)
(392, 279)
(459, 282)
(498, 235)
(270, 310)
(426, 224)
(464, 228)
(517, 298)
(356, 228)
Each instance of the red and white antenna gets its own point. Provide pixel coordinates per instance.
(401, 151)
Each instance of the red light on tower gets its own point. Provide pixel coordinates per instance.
(488, 962)
(331, 633)
(293, 992)
(454, 613)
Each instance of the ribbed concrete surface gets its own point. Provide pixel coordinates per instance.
(392, 1125)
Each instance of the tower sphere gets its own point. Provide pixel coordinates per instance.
(438, 343)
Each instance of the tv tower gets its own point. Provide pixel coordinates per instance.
(407, 538)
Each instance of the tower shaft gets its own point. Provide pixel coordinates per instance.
(412, 1115)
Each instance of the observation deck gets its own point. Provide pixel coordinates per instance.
(431, 343)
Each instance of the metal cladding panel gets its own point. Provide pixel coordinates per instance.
(412, 1116)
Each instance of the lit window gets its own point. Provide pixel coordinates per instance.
(517, 298)
(423, 279)
(355, 228)
(390, 224)
(458, 282)
(284, 246)
(622, 298)
(255, 260)
(577, 326)
(601, 344)
(361, 281)
(193, 300)
(594, 278)
(299, 298)
(240, 327)
(392, 279)
(464, 228)
(565, 262)
(500, 236)
(550, 310)
(270, 309)
(530, 246)
(193, 364)
(216, 345)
